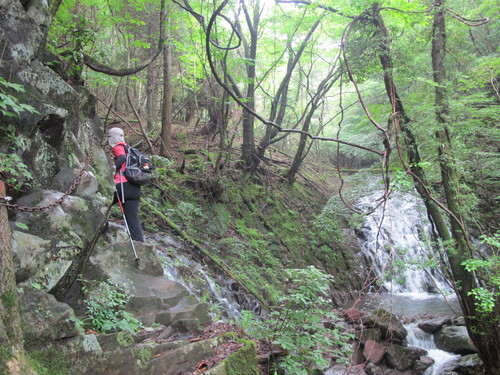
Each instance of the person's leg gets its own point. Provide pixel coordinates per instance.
(131, 208)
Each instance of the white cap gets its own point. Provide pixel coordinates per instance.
(115, 136)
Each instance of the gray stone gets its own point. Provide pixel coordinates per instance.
(90, 344)
(434, 325)
(44, 318)
(191, 325)
(167, 332)
(30, 254)
(357, 357)
(454, 339)
(403, 357)
(366, 334)
(422, 364)
(179, 360)
(344, 370)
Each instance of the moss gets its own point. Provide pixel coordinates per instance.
(143, 355)
(49, 362)
(5, 355)
(8, 299)
(124, 339)
(244, 361)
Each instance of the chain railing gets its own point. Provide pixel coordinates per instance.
(57, 202)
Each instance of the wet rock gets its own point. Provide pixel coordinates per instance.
(468, 365)
(454, 339)
(403, 357)
(434, 325)
(422, 364)
(373, 351)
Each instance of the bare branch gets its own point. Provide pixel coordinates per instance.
(93, 64)
(253, 113)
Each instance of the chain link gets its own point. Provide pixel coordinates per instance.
(78, 179)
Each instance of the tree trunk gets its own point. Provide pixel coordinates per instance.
(12, 356)
(483, 330)
(166, 118)
(151, 95)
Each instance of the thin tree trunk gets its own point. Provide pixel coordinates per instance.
(166, 119)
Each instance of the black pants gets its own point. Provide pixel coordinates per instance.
(130, 196)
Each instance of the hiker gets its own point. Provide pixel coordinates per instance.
(128, 194)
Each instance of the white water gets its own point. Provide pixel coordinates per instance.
(199, 283)
(395, 241)
(418, 338)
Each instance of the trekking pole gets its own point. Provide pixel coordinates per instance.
(137, 260)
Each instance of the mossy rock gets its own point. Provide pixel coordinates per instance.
(242, 362)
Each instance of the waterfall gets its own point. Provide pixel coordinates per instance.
(396, 242)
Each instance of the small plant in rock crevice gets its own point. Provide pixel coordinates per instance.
(106, 309)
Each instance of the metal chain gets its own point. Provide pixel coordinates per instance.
(57, 202)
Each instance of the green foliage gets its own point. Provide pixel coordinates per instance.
(106, 309)
(297, 324)
(10, 106)
(12, 170)
(489, 271)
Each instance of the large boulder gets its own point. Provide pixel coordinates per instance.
(454, 339)
(44, 251)
(31, 253)
(45, 319)
(389, 324)
(403, 357)
(434, 325)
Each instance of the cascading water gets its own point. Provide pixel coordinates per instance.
(417, 337)
(395, 243)
(224, 293)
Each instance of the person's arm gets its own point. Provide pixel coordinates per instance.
(120, 155)
(120, 160)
